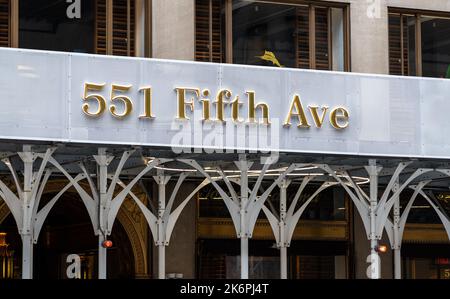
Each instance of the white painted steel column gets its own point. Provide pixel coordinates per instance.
(161, 261)
(244, 236)
(102, 177)
(373, 198)
(283, 244)
(396, 231)
(243, 213)
(27, 257)
(26, 233)
(102, 254)
(161, 180)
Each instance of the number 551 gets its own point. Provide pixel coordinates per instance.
(116, 95)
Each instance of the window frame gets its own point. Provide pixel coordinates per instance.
(312, 5)
(418, 14)
(14, 18)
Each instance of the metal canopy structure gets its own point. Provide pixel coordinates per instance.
(373, 185)
(57, 126)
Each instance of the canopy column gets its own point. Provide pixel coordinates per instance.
(283, 224)
(103, 160)
(160, 242)
(396, 233)
(374, 270)
(244, 166)
(244, 209)
(282, 245)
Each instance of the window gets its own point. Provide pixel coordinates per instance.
(272, 34)
(115, 27)
(46, 25)
(208, 31)
(4, 23)
(101, 26)
(419, 44)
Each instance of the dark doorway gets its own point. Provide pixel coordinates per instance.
(68, 230)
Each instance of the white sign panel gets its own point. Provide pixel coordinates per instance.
(174, 103)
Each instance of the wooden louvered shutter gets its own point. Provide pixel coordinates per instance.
(100, 26)
(208, 31)
(322, 39)
(397, 65)
(5, 36)
(123, 27)
(395, 56)
(302, 43)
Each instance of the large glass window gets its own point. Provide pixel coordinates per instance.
(328, 205)
(435, 47)
(419, 45)
(100, 26)
(264, 34)
(302, 35)
(53, 25)
(220, 259)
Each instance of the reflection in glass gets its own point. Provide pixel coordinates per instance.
(46, 25)
(322, 39)
(427, 268)
(409, 54)
(435, 47)
(264, 34)
(260, 267)
(402, 44)
(337, 28)
(280, 35)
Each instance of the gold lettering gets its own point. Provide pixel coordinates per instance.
(181, 95)
(299, 112)
(101, 102)
(147, 103)
(124, 99)
(318, 120)
(220, 103)
(235, 104)
(205, 105)
(339, 114)
(252, 109)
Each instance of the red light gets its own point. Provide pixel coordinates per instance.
(107, 244)
(381, 248)
(442, 261)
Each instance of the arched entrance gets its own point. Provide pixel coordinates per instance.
(68, 230)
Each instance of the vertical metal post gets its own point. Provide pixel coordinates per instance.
(283, 262)
(283, 246)
(243, 212)
(161, 180)
(161, 261)
(397, 244)
(101, 257)
(375, 258)
(102, 162)
(27, 256)
(26, 233)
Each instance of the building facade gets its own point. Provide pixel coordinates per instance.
(333, 237)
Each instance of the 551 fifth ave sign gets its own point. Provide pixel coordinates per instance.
(338, 116)
(66, 97)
